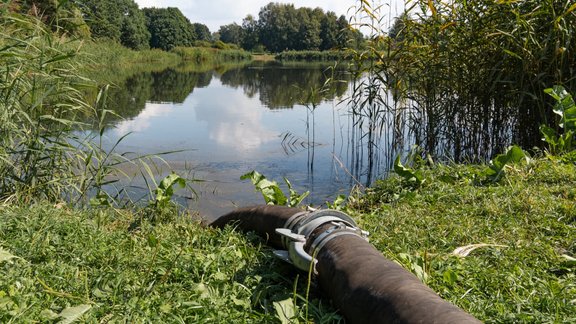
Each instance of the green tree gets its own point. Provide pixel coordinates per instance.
(308, 35)
(250, 32)
(279, 26)
(231, 33)
(202, 32)
(118, 20)
(396, 32)
(348, 37)
(329, 31)
(133, 33)
(168, 28)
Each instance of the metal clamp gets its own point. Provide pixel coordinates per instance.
(299, 227)
(295, 253)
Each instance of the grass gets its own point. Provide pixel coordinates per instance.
(178, 271)
(532, 213)
(311, 56)
(101, 265)
(210, 55)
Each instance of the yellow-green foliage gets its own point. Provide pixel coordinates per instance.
(205, 54)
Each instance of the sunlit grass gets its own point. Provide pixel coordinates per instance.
(175, 272)
(531, 213)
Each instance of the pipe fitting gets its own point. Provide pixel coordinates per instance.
(298, 228)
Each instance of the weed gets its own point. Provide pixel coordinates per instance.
(272, 192)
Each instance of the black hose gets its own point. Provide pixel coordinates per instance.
(365, 286)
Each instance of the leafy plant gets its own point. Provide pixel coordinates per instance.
(165, 190)
(413, 177)
(272, 192)
(566, 109)
(496, 168)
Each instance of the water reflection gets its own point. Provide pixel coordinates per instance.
(280, 86)
(285, 121)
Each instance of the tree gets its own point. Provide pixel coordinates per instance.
(329, 31)
(168, 28)
(118, 20)
(231, 33)
(396, 32)
(202, 32)
(308, 35)
(250, 32)
(278, 26)
(133, 33)
(348, 37)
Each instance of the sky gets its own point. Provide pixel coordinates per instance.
(216, 13)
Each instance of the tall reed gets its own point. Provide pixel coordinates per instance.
(39, 102)
(45, 154)
(473, 73)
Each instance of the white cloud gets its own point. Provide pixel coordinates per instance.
(143, 120)
(238, 127)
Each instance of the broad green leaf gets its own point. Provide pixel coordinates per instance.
(48, 315)
(407, 173)
(450, 277)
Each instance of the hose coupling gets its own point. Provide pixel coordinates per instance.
(298, 228)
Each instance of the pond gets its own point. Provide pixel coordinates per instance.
(282, 120)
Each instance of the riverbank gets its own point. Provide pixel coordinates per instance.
(98, 261)
(110, 62)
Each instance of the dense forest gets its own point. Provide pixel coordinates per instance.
(278, 27)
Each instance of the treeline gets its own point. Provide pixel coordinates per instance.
(282, 27)
(118, 20)
(279, 27)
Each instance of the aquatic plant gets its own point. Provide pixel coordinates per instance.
(469, 75)
(272, 192)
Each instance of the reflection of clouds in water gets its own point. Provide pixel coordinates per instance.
(235, 123)
(143, 120)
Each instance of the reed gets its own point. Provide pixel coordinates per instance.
(39, 102)
(467, 67)
(323, 56)
(201, 55)
(48, 150)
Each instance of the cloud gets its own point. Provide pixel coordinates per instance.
(144, 120)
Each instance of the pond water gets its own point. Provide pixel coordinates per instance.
(280, 120)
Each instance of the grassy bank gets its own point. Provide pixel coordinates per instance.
(110, 62)
(181, 272)
(529, 219)
(313, 56)
(203, 55)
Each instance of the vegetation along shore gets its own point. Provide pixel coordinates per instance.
(495, 237)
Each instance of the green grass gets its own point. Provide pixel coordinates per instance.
(311, 56)
(182, 272)
(532, 212)
(177, 272)
(211, 55)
